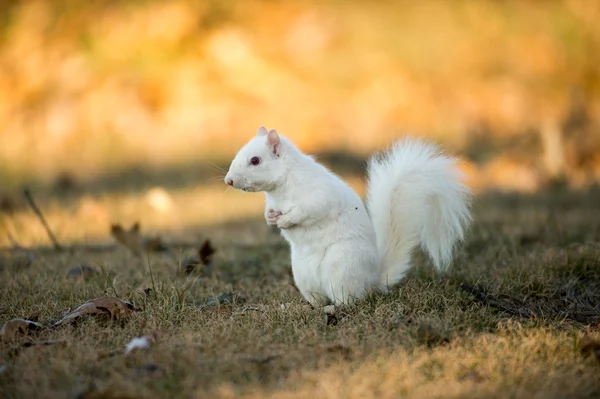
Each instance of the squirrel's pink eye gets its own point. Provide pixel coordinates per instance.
(255, 161)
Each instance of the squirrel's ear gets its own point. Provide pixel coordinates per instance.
(261, 131)
(274, 142)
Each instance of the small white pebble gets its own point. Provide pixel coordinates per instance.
(139, 343)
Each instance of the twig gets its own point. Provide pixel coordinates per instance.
(483, 297)
(39, 214)
(585, 317)
(13, 241)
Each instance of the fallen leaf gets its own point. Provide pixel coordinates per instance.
(130, 239)
(135, 242)
(18, 327)
(206, 252)
(82, 271)
(103, 307)
(189, 265)
(138, 343)
(203, 257)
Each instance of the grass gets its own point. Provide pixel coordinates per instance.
(428, 339)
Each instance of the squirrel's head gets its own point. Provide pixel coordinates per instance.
(258, 166)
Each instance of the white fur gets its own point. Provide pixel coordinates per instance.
(340, 251)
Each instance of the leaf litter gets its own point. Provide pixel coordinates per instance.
(19, 327)
(203, 257)
(103, 307)
(133, 240)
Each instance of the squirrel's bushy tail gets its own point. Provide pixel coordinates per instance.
(415, 197)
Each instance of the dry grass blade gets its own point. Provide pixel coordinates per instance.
(40, 215)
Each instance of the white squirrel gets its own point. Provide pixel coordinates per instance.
(340, 251)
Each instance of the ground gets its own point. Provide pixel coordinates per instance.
(536, 257)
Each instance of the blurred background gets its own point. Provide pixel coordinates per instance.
(108, 96)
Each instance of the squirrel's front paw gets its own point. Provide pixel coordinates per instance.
(284, 221)
(272, 217)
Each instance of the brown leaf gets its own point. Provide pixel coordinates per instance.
(18, 327)
(135, 242)
(103, 307)
(130, 239)
(189, 265)
(204, 257)
(206, 252)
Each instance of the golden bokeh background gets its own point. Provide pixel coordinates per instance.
(105, 94)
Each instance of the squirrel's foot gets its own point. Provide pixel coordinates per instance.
(272, 217)
(333, 314)
(284, 222)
